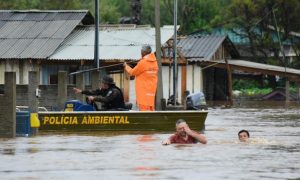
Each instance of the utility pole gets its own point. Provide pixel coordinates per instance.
(287, 83)
(175, 54)
(159, 93)
(96, 50)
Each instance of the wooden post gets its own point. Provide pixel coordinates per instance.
(298, 89)
(95, 79)
(8, 107)
(287, 92)
(229, 75)
(33, 85)
(81, 85)
(159, 92)
(62, 89)
(126, 86)
(183, 83)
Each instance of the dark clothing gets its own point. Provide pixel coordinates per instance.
(176, 139)
(97, 92)
(112, 98)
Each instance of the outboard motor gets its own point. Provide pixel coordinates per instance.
(196, 101)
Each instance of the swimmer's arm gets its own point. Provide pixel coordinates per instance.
(168, 141)
(199, 137)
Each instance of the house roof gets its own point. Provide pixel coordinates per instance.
(36, 34)
(199, 48)
(117, 42)
(248, 66)
(279, 94)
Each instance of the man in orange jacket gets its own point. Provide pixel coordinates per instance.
(146, 79)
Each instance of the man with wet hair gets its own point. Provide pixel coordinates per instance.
(243, 135)
(146, 79)
(184, 135)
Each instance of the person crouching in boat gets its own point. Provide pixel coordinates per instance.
(184, 135)
(146, 79)
(108, 94)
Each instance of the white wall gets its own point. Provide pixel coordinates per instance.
(13, 66)
(194, 78)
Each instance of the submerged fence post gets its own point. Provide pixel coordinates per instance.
(62, 86)
(8, 107)
(95, 79)
(33, 85)
(81, 85)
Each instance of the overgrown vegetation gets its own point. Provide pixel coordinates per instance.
(254, 88)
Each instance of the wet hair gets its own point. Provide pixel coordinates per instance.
(179, 121)
(146, 48)
(245, 131)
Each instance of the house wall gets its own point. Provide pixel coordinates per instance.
(167, 76)
(21, 67)
(194, 78)
(13, 66)
(48, 97)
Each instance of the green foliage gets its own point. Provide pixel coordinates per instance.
(194, 15)
(255, 91)
(239, 84)
(109, 13)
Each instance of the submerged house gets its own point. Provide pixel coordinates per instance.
(28, 38)
(195, 74)
(117, 43)
(216, 59)
(52, 41)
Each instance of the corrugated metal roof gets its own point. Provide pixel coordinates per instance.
(114, 43)
(36, 29)
(200, 47)
(261, 66)
(33, 48)
(43, 31)
(50, 45)
(6, 44)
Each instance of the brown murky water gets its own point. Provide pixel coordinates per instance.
(273, 152)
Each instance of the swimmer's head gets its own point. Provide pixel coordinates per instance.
(180, 130)
(243, 135)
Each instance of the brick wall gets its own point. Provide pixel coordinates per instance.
(48, 97)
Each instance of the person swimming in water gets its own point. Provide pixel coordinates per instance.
(243, 135)
(184, 135)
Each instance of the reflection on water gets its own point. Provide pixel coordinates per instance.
(273, 151)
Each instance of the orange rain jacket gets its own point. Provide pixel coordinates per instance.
(146, 79)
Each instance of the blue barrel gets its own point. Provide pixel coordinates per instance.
(23, 124)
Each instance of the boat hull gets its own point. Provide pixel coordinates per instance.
(120, 120)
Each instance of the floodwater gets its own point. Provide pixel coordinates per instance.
(272, 153)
